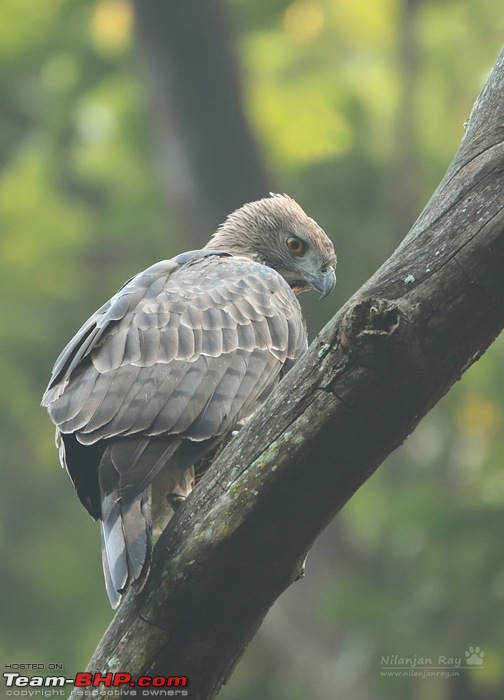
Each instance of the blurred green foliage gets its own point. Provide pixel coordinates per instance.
(359, 107)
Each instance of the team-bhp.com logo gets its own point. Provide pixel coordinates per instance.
(109, 680)
(86, 680)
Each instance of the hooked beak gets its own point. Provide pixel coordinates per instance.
(324, 282)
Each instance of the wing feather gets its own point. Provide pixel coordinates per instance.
(186, 344)
(279, 333)
(168, 345)
(117, 386)
(112, 353)
(246, 336)
(201, 397)
(176, 414)
(70, 404)
(149, 346)
(133, 409)
(191, 317)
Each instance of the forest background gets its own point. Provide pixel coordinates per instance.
(127, 133)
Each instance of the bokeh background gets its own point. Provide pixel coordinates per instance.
(127, 133)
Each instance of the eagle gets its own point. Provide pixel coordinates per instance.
(165, 371)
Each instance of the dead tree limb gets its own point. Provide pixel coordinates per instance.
(373, 372)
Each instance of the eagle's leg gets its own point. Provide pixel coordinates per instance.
(239, 425)
(169, 489)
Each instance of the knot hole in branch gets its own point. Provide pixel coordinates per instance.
(372, 329)
(375, 317)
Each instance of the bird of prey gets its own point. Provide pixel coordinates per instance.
(175, 362)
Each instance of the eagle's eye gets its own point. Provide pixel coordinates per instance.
(296, 245)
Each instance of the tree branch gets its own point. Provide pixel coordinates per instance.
(374, 371)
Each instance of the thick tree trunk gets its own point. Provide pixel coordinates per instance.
(207, 159)
(385, 359)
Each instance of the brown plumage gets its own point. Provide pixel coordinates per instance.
(175, 361)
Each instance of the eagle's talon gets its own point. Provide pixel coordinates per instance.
(175, 500)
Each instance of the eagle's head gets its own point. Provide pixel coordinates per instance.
(276, 232)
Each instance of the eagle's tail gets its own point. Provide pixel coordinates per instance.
(126, 542)
(125, 473)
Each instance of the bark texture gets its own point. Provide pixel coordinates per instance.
(373, 372)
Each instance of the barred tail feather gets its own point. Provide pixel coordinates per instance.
(126, 542)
